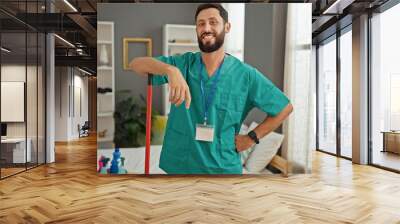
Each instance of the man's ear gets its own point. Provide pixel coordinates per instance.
(227, 27)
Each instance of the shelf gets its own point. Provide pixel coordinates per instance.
(104, 42)
(104, 67)
(172, 26)
(177, 40)
(183, 44)
(105, 114)
(105, 79)
(105, 94)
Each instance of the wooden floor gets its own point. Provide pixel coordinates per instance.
(5, 172)
(387, 159)
(10, 171)
(70, 191)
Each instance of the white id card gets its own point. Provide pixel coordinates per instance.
(204, 133)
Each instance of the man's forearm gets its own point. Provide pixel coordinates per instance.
(146, 65)
(178, 88)
(271, 123)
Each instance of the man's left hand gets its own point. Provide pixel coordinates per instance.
(243, 142)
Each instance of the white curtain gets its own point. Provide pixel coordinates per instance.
(299, 85)
(234, 40)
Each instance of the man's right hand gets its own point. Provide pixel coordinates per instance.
(178, 88)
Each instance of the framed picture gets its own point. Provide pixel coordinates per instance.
(127, 40)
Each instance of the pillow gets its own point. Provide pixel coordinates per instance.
(158, 126)
(264, 171)
(244, 154)
(243, 129)
(261, 154)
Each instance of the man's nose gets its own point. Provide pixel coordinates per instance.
(207, 28)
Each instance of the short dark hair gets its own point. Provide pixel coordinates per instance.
(222, 12)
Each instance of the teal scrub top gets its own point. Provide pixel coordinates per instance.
(240, 88)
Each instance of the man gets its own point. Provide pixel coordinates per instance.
(218, 91)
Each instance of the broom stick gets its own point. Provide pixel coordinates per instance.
(148, 123)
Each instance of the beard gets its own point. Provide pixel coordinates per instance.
(208, 47)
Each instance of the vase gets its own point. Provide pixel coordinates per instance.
(103, 59)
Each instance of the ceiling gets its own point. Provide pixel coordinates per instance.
(72, 20)
(332, 15)
(76, 22)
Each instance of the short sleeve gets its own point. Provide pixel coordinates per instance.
(177, 60)
(264, 95)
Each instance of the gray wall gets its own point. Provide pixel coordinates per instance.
(264, 44)
(265, 27)
(141, 20)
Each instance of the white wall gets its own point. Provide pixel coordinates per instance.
(13, 73)
(69, 82)
(61, 103)
(80, 83)
(16, 73)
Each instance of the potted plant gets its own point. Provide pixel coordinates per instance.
(130, 120)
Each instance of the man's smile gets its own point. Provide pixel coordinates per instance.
(207, 36)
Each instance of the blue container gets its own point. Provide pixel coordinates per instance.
(114, 162)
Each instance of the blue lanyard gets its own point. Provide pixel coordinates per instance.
(207, 100)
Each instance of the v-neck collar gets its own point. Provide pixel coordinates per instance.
(204, 73)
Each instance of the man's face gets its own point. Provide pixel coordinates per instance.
(210, 30)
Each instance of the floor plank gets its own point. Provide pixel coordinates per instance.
(70, 191)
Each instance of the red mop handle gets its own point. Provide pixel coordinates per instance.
(148, 124)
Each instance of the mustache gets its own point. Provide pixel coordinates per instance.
(204, 34)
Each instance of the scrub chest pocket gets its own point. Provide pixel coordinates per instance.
(230, 109)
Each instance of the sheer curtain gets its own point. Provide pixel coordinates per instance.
(299, 85)
(234, 42)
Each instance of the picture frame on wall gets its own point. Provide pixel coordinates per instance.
(127, 40)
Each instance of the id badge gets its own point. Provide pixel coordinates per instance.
(204, 132)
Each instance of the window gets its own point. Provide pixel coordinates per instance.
(22, 74)
(346, 93)
(327, 96)
(394, 118)
(385, 89)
